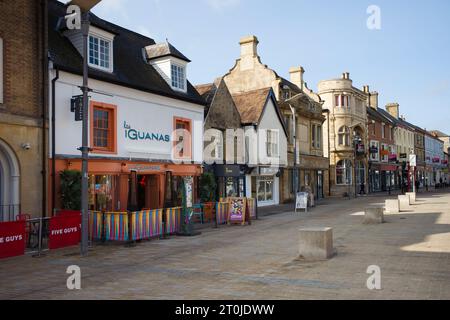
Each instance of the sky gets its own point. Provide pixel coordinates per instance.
(407, 60)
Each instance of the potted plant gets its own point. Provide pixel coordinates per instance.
(71, 190)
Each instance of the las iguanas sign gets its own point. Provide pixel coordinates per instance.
(138, 135)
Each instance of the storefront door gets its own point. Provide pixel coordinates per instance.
(148, 192)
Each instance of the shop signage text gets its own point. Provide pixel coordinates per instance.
(65, 231)
(133, 134)
(12, 239)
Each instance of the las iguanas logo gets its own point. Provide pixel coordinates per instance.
(135, 135)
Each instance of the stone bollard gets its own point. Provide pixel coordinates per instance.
(374, 215)
(393, 206)
(405, 202)
(412, 197)
(316, 243)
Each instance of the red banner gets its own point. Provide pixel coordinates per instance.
(12, 239)
(65, 231)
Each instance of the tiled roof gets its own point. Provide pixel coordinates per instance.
(130, 68)
(251, 104)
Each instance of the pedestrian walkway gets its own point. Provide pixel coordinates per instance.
(259, 261)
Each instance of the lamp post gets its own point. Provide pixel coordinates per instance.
(85, 6)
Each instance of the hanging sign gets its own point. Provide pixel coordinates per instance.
(65, 231)
(76, 105)
(12, 239)
(301, 201)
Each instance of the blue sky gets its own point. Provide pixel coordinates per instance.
(407, 61)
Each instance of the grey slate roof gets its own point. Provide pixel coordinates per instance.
(165, 49)
(130, 68)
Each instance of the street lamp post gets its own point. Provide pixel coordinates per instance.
(85, 6)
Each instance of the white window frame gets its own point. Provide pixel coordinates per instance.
(272, 145)
(1, 70)
(182, 81)
(107, 37)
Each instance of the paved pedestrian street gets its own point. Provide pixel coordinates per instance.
(259, 261)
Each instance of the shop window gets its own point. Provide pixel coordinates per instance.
(183, 138)
(344, 172)
(103, 128)
(264, 188)
(103, 191)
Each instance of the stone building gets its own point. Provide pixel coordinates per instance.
(23, 122)
(346, 129)
(221, 116)
(250, 74)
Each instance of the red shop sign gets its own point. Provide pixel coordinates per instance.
(12, 239)
(65, 231)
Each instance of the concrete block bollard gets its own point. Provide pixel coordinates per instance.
(316, 243)
(412, 197)
(392, 206)
(405, 202)
(374, 215)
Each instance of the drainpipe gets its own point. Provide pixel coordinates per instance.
(54, 143)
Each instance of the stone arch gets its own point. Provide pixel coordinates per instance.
(9, 183)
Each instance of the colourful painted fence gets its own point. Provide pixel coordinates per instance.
(173, 220)
(222, 212)
(96, 225)
(116, 226)
(146, 224)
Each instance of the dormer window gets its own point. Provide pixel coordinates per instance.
(100, 49)
(170, 63)
(178, 77)
(99, 52)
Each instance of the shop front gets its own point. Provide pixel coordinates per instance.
(264, 184)
(230, 181)
(112, 182)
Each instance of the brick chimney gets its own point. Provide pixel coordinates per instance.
(297, 76)
(393, 109)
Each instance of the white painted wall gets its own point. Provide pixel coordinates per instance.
(141, 110)
(271, 121)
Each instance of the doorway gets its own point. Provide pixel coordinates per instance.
(148, 193)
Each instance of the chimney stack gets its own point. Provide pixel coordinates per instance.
(373, 99)
(393, 109)
(249, 46)
(297, 76)
(346, 76)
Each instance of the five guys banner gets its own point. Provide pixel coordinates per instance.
(12, 239)
(65, 231)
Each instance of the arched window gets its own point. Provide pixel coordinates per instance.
(344, 172)
(344, 136)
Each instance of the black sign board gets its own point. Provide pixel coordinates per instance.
(76, 105)
(227, 171)
(403, 155)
